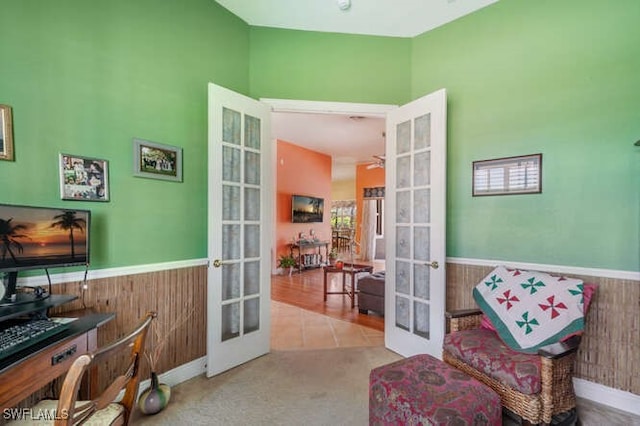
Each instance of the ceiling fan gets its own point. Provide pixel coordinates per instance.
(378, 163)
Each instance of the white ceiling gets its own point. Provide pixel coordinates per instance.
(395, 18)
(349, 141)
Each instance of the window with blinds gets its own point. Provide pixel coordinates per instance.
(512, 175)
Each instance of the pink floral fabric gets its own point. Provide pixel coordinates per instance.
(483, 350)
(424, 390)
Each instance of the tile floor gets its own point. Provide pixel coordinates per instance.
(295, 328)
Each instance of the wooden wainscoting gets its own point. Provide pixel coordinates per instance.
(179, 296)
(608, 354)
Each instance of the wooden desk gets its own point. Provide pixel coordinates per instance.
(351, 269)
(26, 371)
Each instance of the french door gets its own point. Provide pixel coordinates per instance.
(415, 206)
(239, 218)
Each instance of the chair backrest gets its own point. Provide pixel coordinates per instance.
(129, 380)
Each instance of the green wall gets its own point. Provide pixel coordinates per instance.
(560, 77)
(307, 65)
(85, 78)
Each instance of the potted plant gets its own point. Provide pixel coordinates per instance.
(287, 261)
(333, 255)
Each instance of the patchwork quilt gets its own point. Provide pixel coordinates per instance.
(531, 309)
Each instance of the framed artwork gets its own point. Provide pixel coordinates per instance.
(83, 178)
(157, 161)
(508, 176)
(6, 133)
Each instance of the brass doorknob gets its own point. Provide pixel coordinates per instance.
(217, 263)
(434, 264)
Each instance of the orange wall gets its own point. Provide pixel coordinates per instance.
(365, 179)
(302, 172)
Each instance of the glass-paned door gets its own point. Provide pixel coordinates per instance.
(238, 238)
(415, 226)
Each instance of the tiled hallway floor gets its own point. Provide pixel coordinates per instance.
(294, 328)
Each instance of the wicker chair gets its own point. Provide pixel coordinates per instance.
(556, 395)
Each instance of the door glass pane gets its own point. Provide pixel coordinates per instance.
(403, 172)
(230, 321)
(403, 277)
(251, 240)
(403, 206)
(230, 202)
(231, 126)
(251, 315)
(403, 242)
(422, 205)
(422, 169)
(403, 137)
(230, 281)
(251, 278)
(231, 239)
(422, 132)
(421, 319)
(230, 164)
(251, 204)
(252, 168)
(252, 132)
(402, 312)
(421, 243)
(421, 281)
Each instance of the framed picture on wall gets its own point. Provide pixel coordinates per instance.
(83, 178)
(157, 161)
(6, 133)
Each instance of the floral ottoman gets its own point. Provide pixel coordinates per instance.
(424, 390)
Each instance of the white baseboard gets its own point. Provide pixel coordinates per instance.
(179, 374)
(615, 398)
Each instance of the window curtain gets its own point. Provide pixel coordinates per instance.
(368, 237)
(377, 192)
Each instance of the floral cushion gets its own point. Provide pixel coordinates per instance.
(484, 351)
(531, 309)
(424, 390)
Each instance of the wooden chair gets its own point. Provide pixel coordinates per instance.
(101, 410)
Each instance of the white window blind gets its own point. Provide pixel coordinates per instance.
(513, 175)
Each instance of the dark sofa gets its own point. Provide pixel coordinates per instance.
(371, 293)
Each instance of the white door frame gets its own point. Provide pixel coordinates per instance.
(315, 107)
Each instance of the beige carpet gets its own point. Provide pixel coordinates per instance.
(305, 387)
(310, 387)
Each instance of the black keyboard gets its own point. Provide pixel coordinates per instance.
(18, 335)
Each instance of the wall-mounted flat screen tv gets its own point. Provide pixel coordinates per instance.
(41, 237)
(305, 209)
